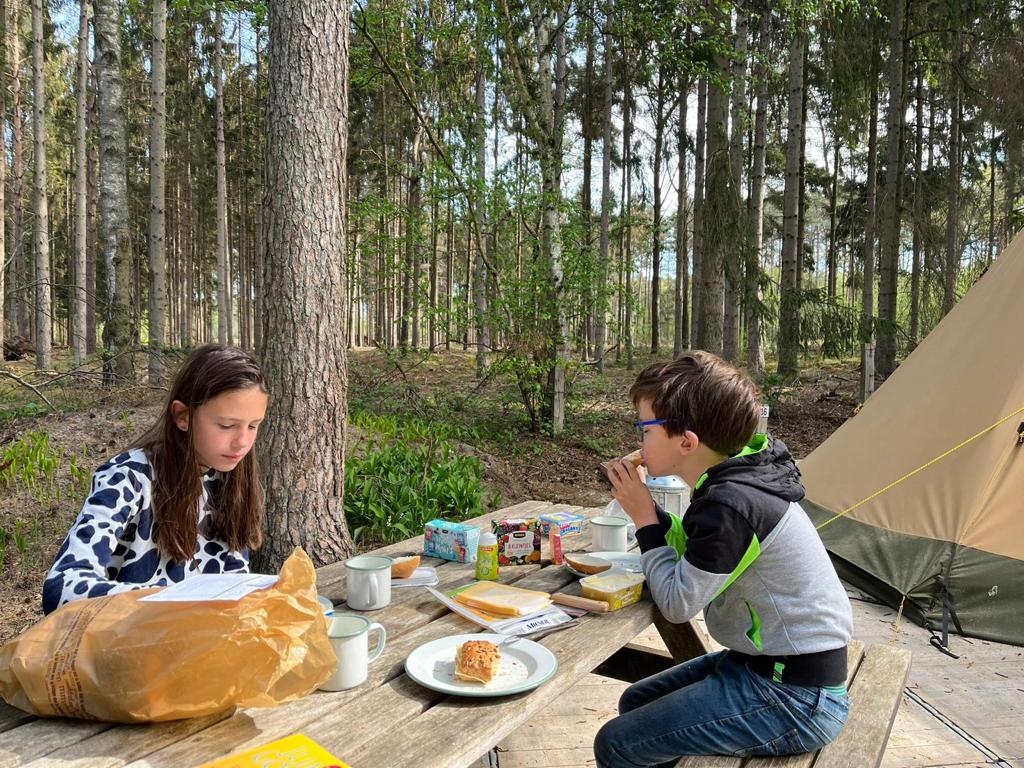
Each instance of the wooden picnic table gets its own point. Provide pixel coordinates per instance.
(387, 721)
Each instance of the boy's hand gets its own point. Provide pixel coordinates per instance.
(629, 489)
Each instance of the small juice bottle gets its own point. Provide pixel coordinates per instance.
(555, 537)
(487, 556)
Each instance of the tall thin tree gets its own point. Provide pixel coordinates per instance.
(79, 294)
(157, 195)
(41, 225)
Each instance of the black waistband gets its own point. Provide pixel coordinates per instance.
(824, 668)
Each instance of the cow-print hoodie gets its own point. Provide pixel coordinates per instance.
(111, 547)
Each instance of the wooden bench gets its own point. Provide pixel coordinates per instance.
(877, 677)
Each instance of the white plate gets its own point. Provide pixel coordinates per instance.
(524, 665)
(625, 561)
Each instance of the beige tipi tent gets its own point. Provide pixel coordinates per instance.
(948, 541)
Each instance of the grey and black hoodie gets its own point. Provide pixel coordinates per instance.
(746, 552)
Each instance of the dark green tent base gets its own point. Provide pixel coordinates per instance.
(985, 590)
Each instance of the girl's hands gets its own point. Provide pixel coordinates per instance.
(629, 489)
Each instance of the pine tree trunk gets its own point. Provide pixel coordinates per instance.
(601, 311)
(41, 225)
(157, 197)
(952, 267)
(870, 217)
(660, 119)
(789, 310)
(302, 450)
(5, 298)
(889, 235)
(755, 207)
(483, 341)
(224, 335)
(699, 166)
(79, 293)
(832, 259)
(590, 289)
(626, 208)
(92, 183)
(717, 209)
(19, 264)
(734, 278)
(915, 271)
(115, 237)
(680, 337)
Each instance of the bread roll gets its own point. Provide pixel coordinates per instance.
(404, 567)
(477, 661)
(587, 563)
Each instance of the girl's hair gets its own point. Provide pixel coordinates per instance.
(177, 478)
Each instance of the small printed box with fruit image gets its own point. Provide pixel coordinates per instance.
(451, 541)
(518, 540)
(569, 524)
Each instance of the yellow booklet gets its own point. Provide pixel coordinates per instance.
(502, 599)
(295, 751)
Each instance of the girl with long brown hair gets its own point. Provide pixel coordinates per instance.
(185, 500)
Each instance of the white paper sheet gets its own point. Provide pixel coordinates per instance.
(229, 587)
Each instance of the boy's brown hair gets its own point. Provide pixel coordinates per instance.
(701, 392)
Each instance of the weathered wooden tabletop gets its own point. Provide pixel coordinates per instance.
(387, 721)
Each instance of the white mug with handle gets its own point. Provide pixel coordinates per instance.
(349, 635)
(368, 582)
(609, 534)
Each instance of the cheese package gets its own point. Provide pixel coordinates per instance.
(569, 524)
(502, 599)
(518, 540)
(451, 541)
(617, 588)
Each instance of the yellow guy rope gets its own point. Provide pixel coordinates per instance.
(923, 467)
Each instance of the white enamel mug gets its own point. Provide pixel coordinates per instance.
(368, 582)
(349, 636)
(609, 534)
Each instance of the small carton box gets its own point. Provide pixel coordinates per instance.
(569, 524)
(518, 540)
(451, 541)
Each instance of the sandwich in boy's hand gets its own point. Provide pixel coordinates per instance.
(477, 661)
(636, 458)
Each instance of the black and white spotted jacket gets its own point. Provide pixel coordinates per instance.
(110, 548)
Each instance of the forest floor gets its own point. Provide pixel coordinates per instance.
(92, 424)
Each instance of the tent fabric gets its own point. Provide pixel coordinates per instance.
(960, 519)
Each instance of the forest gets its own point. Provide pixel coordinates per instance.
(550, 184)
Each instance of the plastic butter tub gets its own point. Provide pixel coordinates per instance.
(617, 588)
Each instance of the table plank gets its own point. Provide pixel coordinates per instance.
(12, 717)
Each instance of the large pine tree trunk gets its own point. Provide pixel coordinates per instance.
(302, 450)
(224, 335)
(718, 208)
(157, 196)
(889, 236)
(79, 293)
(789, 310)
(41, 225)
(601, 320)
(115, 236)
(92, 192)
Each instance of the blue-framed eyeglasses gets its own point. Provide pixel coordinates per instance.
(639, 426)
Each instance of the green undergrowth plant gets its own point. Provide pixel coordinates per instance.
(406, 473)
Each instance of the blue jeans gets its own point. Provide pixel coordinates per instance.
(716, 705)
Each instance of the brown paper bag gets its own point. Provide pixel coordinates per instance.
(117, 659)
